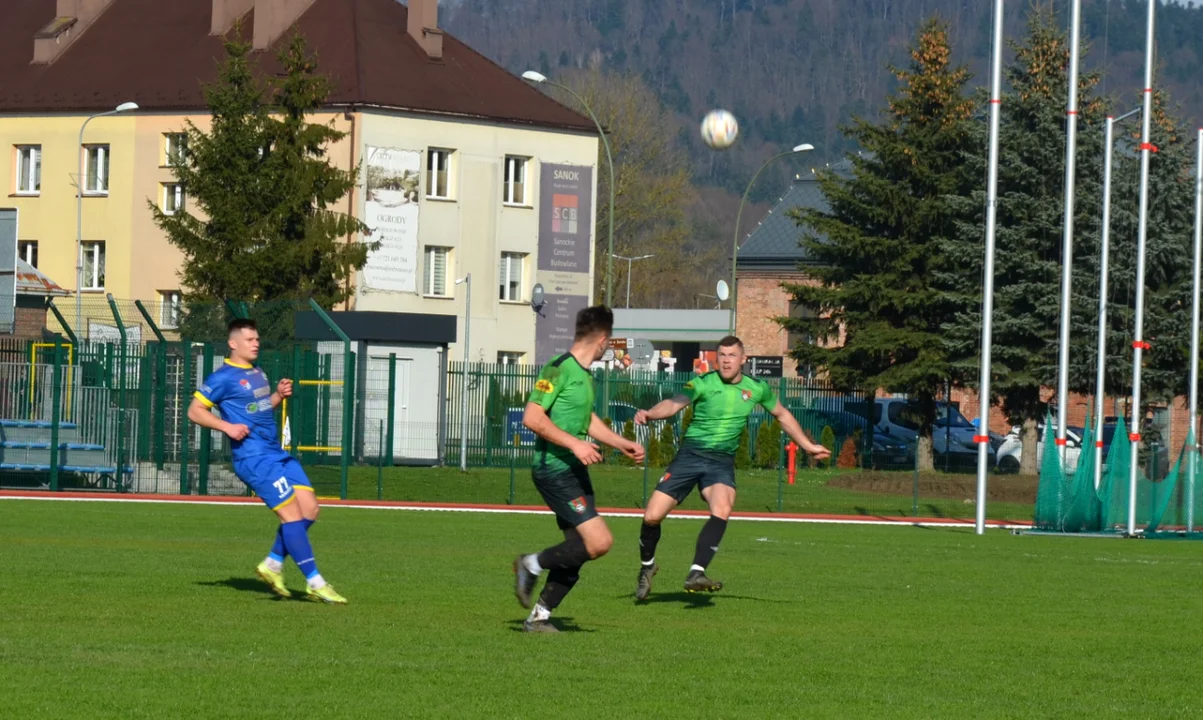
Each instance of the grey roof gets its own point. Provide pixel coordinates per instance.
(774, 243)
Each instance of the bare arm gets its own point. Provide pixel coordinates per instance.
(662, 410)
(283, 390)
(536, 420)
(200, 414)
(793, 430)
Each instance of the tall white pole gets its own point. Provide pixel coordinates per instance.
(1138, 343)
(1100, 382)
(1191, 460)
(463, 398)
(1067, 243)
(983, 439)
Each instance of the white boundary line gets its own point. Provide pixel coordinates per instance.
(522, 511)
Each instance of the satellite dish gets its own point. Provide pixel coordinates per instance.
(536, 297)
(722, 291)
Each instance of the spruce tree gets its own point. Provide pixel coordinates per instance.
(1030, 217)
(875, 253)
(264, 192)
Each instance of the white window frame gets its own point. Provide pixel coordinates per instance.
(515, 186)
(175, 148)
(97, 155)
(510, 357)
(173, 191)
(434, 157)
(430, 286)
(96, 250)
(27, 250)
(27, 155)
(169, 309)
(505, 277)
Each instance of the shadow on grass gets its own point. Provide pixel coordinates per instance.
(563, 624)
(694, 601)
(242, 584)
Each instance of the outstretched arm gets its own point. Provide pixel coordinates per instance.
(792, 429)
(603, 434)
(662, 410)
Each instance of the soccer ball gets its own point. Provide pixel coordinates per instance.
(719, 129)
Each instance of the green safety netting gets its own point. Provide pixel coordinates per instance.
(1070, 502)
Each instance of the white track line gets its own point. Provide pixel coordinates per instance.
(522, 511)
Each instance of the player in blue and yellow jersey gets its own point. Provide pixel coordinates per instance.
(722, 401)
(243, 395)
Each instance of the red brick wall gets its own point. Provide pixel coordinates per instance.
(30, 319)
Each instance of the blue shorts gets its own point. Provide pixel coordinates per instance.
(273, 478)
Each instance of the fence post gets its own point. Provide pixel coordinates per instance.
(291, 417)
(392, 405)
(781, 462)
(915, 482)
(123, 401)
(206, 435)
(380, 464)
(348, 425)
(149, 411)
(159, 402)
(186, 382)
(56, 414)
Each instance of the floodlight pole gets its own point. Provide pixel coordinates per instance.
(1067, 244)
(1193, 447)
(1142, 232)
(983, 438)
(1100, 374)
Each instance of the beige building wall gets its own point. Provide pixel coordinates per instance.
(475, 223)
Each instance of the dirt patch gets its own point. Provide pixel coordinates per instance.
(1013, 489)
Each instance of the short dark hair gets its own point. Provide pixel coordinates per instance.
(593, 320)
(241, 324)
(731, 341)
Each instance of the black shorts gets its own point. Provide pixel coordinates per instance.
(693, 467)
(568, 492)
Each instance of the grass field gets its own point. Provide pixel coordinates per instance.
(853, 492)
(119, 610)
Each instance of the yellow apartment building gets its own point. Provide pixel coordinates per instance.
(466, 168)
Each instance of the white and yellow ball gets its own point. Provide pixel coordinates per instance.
(719, 129)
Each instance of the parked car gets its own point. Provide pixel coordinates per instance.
(953, 436)
(1010, 453)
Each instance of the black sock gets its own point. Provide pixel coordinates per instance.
(649, 537)
(708, 540)
(559, 582)
(567, 555)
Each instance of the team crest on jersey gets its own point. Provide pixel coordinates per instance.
(745, 395)
(246, 384)
(544, 386)
(579, 505)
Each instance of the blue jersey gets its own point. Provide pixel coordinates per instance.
(244, 396)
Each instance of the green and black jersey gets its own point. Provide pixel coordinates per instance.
(564, 390)
(721, 410)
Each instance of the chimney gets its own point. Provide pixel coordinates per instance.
(274, 17)
(71, 19)
(424, 26)
(226, 13)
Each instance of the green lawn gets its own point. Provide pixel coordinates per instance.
(151, 611)
(624, 487)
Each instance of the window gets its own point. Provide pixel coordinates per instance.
(29, 169)
(434, 279)
(175, 146)
(438, 173)
(27, 250)
(169, 309)
(801, 337)
(509, 358)
(96, 169)
(93, 265)
(515, 180)
(173, 198)
(510, 277)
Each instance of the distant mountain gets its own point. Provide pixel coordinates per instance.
(794, 70)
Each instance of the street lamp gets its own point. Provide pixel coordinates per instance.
(79, 209)
(463, 397)
(735, 243)
(631, 260)
(539, 78)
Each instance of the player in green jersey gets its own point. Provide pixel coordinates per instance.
(722, 401)
(560, 413)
